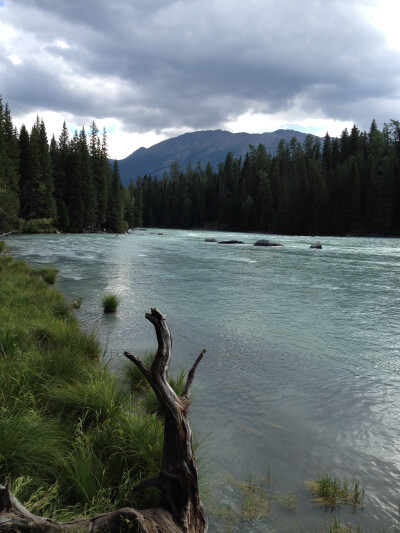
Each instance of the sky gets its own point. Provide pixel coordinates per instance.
(148, 70)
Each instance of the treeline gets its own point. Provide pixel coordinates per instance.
(66, 184)
(341, 186)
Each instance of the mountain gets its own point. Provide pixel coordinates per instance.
(204, 146)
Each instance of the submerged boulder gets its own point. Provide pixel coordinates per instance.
(230, 242)
(210, 239)
(266, 242)
(317, 246)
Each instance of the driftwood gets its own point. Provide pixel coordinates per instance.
(8, 233)
(183, 512)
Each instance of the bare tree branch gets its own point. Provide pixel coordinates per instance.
(189, 381)
(139, 363)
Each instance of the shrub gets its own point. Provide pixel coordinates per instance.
(2, 246)
(38, 225)
(110, 303)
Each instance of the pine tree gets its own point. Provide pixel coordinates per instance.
(102, 177)
(139, 204)
(47, 201)
(75, 187)
(29, 179)
(9, 175)
(327, 153)
(61, 158)
(264, 203)
(130, 205)
(89, 192)
(115, 216)
(101, 172)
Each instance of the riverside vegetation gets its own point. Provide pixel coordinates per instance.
(73, 441)
(332, 492)
(257, 499)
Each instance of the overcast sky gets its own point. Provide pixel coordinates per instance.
(147, 70)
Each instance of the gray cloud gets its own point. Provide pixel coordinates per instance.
(157, 64)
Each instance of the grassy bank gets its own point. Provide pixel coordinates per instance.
(73, 441)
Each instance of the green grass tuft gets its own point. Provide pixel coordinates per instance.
(110, 303)
(332, 492)
(48, 274)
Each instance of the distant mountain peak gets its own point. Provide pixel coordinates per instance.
(140, 150)
(204, 146)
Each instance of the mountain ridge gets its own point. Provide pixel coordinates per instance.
(205, 146)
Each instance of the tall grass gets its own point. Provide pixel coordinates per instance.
(72, 439)
(96, 398)
(48, 274)
(110, 303)
(31, 444)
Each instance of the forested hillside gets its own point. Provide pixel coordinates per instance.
(347, 185)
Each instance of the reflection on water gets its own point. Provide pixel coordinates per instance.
(302, 371)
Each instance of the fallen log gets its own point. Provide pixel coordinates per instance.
(177, 479)
(8, 233)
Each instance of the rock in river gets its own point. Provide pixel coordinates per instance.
(265, 242)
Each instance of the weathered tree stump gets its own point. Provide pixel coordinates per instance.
(184, 512)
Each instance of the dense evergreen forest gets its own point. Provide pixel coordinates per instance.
(67, 184)
(340, 186)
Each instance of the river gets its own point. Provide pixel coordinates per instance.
(302, 372)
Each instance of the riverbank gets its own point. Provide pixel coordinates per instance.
(73, 443)
(302, 367)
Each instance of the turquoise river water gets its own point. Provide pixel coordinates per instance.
(302, 371)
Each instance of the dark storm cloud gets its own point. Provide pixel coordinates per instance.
(155, 64)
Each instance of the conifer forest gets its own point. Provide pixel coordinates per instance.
(348, 185)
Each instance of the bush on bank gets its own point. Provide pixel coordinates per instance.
(37, 225)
